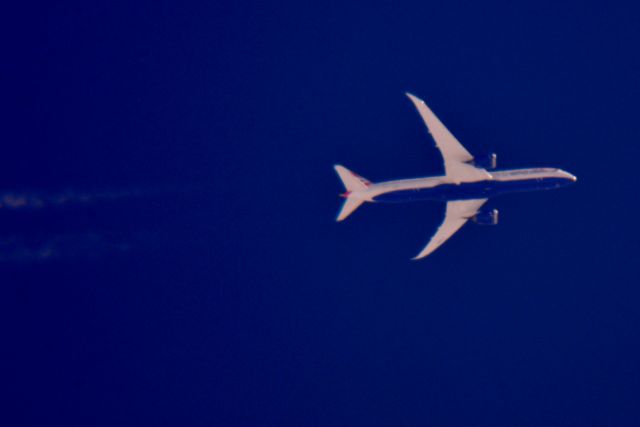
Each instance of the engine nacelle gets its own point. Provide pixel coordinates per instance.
(489, 161)
(486, 217)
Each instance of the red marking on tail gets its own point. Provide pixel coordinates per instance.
(365, 181)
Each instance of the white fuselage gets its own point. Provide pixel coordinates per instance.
(445, 188)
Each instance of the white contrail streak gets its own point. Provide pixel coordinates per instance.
(34, 200)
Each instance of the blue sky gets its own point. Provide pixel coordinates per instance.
(238, 299)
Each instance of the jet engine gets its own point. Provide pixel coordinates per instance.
(486, 217)
(489, 161)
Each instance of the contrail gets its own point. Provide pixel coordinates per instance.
(37, 200)
(32, 229)
(17, 248)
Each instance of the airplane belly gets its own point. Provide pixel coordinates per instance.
(468, 191)
(441, 192)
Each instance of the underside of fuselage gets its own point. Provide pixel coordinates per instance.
(469, 190)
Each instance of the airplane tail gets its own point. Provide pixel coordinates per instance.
(352, 182)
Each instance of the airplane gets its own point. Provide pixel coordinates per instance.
(466, 185)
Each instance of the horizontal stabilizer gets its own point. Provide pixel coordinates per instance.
(350, 205)
(351, 181)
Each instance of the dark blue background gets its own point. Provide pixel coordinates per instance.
(244, 303)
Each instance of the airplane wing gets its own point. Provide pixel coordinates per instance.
(456, 157)
(458, 212)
